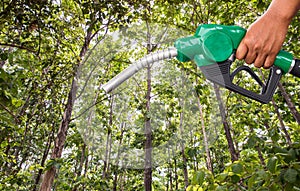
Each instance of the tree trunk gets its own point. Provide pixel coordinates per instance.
(148, 128)
(207, 151)
(175, 168)
(123, 181)
(86, 165)
(235, 141)
(59, 142)
(233, 153)
(81, 163)
(170, 180)
(108, 141)
(184, 159)
(87, 132)
(115, 181)
(260, 155)
(110, 136)
(282, 126)
(45, 154)
(291, 107)
(148, 134)
(289, 102)
(175, 175)
(106, 154)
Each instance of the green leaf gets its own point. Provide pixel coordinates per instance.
(252, 141)
(237, 168)
(17, 102)
(272, 164)
(49, 164)
(296, 188)
(290, 175)
(35, 167)
(221, 188)
(251, 181)
(3, 56)
(189, 188)
(262, 174)
(221, 177)
(194, 188)
(235, 179)
(198, 178)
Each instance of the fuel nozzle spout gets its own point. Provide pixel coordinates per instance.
(137, 66)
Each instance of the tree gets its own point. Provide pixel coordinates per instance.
(59, 131)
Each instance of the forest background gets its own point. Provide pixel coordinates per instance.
(166, 129)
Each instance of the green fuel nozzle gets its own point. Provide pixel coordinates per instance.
(213, 47)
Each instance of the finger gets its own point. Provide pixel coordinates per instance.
(250, 57)
(241, 52)
(260, 60)
(269, 61)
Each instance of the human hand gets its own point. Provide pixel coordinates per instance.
(263, 41)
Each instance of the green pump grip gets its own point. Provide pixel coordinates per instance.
(212, 47)
(216, 43)
(211, 43)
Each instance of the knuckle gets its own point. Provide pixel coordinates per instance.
(257, 47)
(267, 50)
(251, 42)
(248, 39)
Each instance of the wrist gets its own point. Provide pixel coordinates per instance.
(279, 18)
(283, 10)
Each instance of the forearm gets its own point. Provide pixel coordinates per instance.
(284, 10)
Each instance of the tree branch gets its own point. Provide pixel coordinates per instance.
(20, 47)
(10, 112)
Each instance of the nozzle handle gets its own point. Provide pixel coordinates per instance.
(284, 61)
(296, 68)
(220, 73)
(287, 63)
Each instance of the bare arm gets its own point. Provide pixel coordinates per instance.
(265, 36)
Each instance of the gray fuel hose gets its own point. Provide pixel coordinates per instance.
(137, 66)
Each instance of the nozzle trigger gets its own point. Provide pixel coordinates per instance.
(219, 73)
